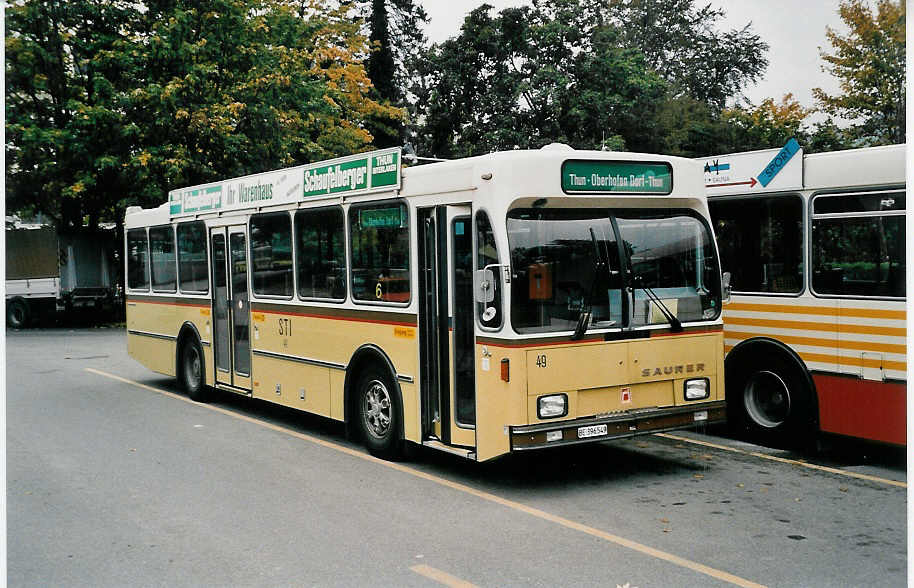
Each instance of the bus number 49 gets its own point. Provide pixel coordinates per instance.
(541, 361)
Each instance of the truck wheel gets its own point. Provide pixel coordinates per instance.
(379, 414)
(771, 403)
(193, 370)
(17, 313)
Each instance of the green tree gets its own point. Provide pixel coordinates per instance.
(827, 136)
(394, 29)
(533, 75)
(112, 103)
(767, 126)
(682, 43)
(870, 64)
(225, 88)
(67, 139)
(689, 128)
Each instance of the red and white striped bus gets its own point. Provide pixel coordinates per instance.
(815, 330)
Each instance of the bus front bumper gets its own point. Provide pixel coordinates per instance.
(616, 426)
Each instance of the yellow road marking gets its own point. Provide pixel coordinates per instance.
(517, 506)
(795, 462)
(441, 577)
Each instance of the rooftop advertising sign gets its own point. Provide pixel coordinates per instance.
(365, 172)
(346, 176)
(769, 170)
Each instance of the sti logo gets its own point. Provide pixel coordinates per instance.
(717, 167)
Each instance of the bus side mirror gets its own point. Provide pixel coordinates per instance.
(485, 286)
(725, 287)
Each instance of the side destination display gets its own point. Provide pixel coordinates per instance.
(355, 174)
(631, 177)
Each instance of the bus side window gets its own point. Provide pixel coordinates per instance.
(271, 254)
(192, 269)
(379, 235)
(137, 260)
(487, 254)
(162, 252)
(321, 250)
(858, 244)
(761, 242)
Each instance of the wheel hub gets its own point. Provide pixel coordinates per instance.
(767, 399)
(376, 409)
(194, 367)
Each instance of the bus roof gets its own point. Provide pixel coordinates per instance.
(790, 170)
(870, 166)
(554, 171)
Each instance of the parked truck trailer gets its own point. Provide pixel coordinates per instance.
(47, 273)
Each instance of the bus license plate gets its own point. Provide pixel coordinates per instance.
(592, 431)
(701, 415)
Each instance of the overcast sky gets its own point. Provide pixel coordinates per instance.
(794, 29)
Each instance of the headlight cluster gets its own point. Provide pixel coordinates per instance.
(697, 389)
(550, 407)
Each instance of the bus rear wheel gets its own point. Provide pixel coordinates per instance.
(770, 402)
(193, 370)
(379, 415)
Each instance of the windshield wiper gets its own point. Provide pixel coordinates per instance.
(638, 282)
(586, 310)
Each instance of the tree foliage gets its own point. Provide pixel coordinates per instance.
(394, 29)
(870, 64)
(766, 126)
(683, 44)
(114, 103)
(110, 105)
(533, 75)
(648, 75)
(67, 138)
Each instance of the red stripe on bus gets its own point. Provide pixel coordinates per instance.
(521, 345)
(862, 408)
(337, 318)
(698, 331)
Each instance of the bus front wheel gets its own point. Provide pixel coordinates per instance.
(193, 374)
(379, 415)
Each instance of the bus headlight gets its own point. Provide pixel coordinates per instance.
(697, 389)
(550, 407)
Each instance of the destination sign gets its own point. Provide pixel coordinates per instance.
(381, 218)
(631, 177)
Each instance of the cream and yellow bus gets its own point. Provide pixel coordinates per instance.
(815, 332)
(481, 306)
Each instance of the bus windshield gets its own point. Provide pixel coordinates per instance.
(566, 260)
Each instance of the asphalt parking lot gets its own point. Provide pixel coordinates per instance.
(114, 478)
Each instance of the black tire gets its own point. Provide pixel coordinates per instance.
(192, 366)
(769, 401)
(379, 413)
(17, 313)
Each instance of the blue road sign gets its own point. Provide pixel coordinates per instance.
(777, 164)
